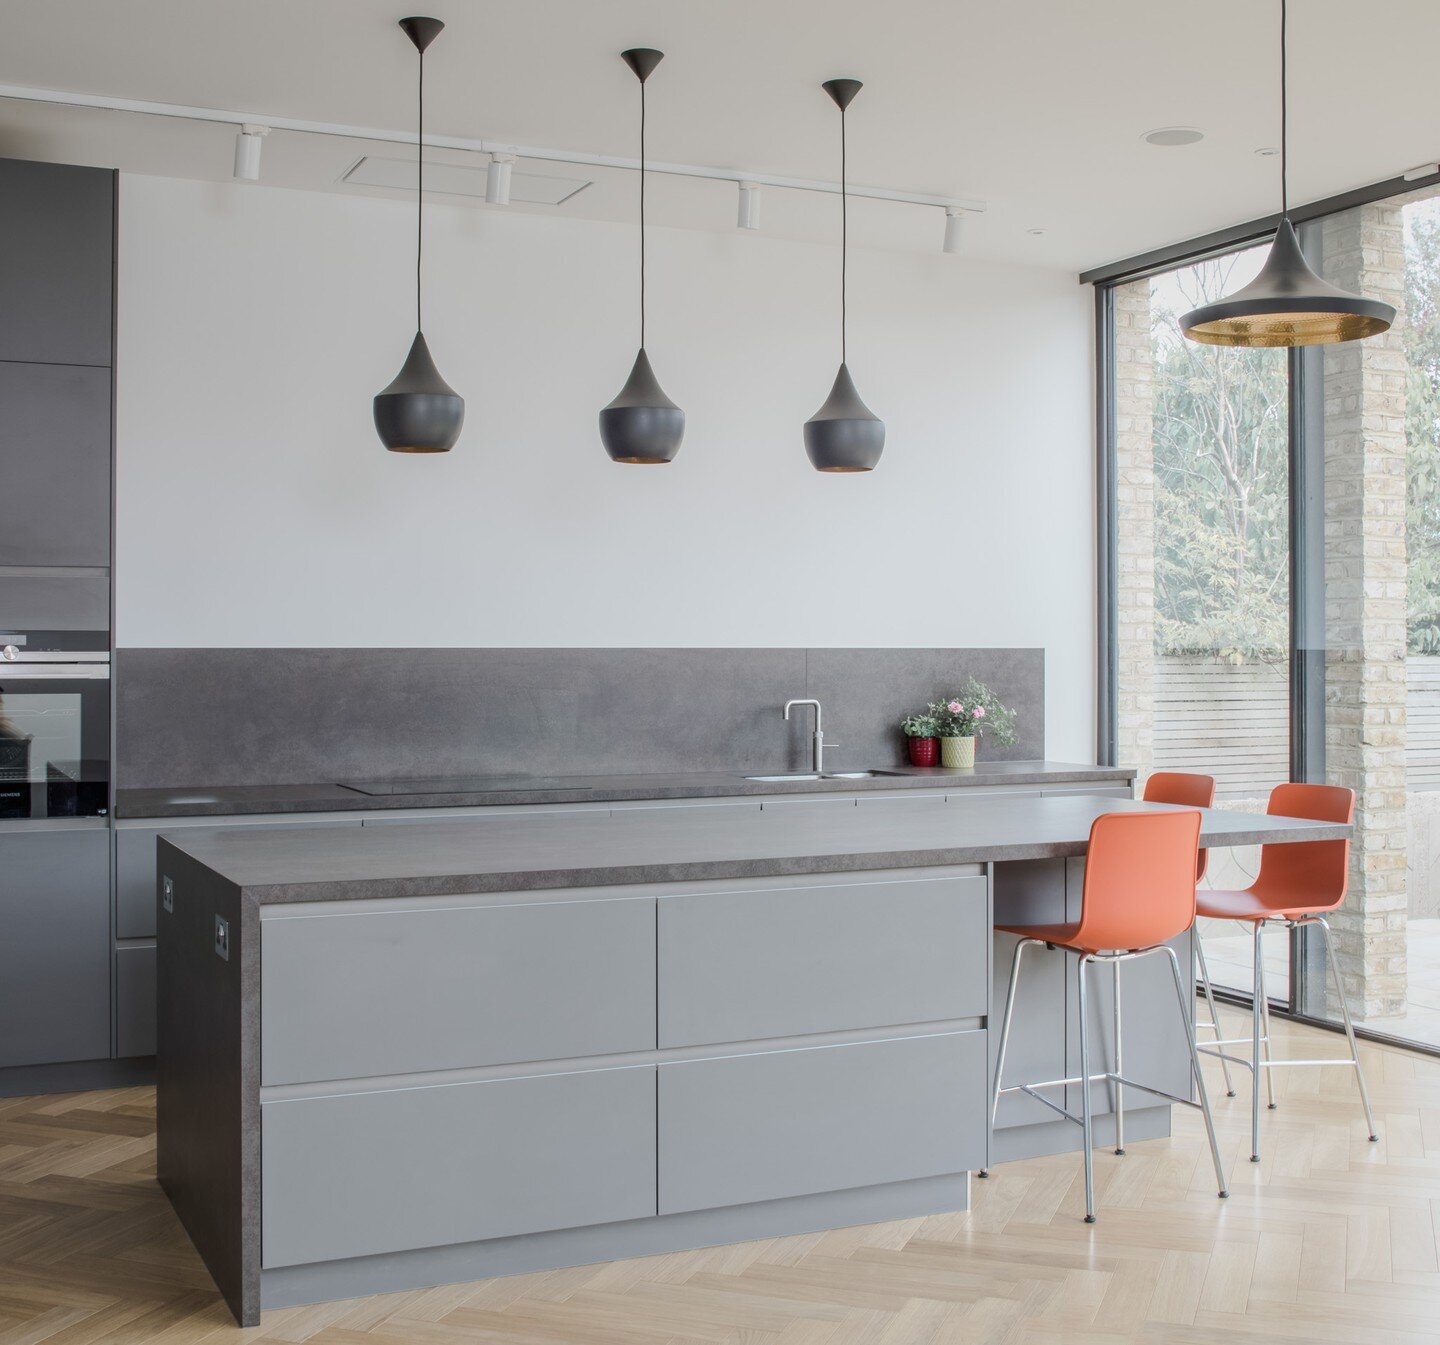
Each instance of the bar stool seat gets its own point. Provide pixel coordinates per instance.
(1248, 904)
(1139, 893)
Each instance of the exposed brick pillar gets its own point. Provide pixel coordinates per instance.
(1135, 528)
(1365, 598)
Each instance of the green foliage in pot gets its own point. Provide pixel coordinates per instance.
(920, 726)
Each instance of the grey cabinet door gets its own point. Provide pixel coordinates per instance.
(55, 946)
(744, 1128)
(135, 1001)
(352, 995)
(795, 959)
(390, 1170)
(54, 464)
(57, 231)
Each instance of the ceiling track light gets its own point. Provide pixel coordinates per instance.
(642, 424)
(248, 144)
(844, 435)
(749, 216)
(1287, 304)
(419, 412)
(497, 179)
(954, 230)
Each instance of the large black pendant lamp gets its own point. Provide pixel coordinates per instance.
(419, 412)
(844, 435)
(1287, 304)
(642, 424)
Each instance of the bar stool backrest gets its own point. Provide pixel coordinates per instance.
(1313, 874)
(1190, 791)
(1139, 880)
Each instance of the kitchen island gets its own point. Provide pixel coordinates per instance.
(399, 1056)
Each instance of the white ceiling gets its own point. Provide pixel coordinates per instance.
(1035, 106)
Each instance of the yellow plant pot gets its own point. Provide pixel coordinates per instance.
(957, 752)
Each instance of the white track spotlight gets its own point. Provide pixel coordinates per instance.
(497, 179)
(749, 217)
(954, 228)
(247, 152)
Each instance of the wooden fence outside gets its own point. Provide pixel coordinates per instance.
(1233, 722)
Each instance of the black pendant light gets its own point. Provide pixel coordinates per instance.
(642, 424)
(844, 435)
(419, 412)
(1287, 304)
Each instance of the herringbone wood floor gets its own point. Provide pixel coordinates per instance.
(1330, 1239)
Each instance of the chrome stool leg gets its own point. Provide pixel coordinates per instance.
(1210, 1003)
(1119, 1070)
(1349, 1027)
(1085, 1093)
(1085, 1080)
(1256, 1015)
(1005, 1036)
(1195, 1070)
(1265, 1040)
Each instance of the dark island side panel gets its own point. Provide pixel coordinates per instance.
(230, 717)
(207, 1076)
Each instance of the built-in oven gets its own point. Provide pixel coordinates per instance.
(54, 724)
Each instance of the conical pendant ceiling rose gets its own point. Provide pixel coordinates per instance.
(844, 435)
(419, 412)
(642, 424)
(1287, 304)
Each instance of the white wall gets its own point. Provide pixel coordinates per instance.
(256, 506)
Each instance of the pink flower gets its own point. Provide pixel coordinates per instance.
(979, 712)
(954, 707)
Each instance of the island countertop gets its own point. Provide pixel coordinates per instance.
(584, 850)
(479, 790)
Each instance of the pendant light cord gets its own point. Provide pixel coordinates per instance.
(419, 185)
(844, 239)
(642, 214)
(1284, 119)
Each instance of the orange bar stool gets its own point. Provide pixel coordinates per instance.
(1139, 892)
(1193, 791)
(1298, 885)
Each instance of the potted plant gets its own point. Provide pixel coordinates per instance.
(922, 734)
(963, 718)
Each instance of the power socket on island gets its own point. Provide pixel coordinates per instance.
(222, 938)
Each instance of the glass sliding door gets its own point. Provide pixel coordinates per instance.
(1202, 569)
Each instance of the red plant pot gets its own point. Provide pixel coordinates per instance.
(924, 751)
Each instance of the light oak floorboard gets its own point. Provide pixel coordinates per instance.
(1329, 1239)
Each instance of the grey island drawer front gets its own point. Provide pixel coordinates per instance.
(745, 965)
(374, 992)
(744, 1128)
(426, 1167)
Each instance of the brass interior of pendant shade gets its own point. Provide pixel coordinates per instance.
(1287, 329)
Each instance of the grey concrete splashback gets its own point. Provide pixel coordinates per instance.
(217, 717)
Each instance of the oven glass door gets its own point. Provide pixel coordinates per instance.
(54, 740)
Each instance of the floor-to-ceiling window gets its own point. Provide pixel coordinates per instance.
(1203, 560)
(1219, 663)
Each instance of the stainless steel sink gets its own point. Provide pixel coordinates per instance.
(820, 775)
